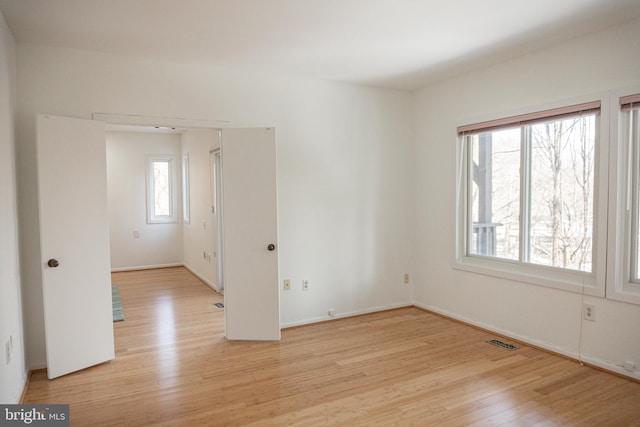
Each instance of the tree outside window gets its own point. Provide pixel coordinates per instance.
(531, 194)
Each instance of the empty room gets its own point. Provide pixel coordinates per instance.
(408, 212)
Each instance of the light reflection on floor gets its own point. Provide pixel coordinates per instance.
(166, 340)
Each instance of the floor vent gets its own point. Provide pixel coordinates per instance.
(499, 343)
(219, 305)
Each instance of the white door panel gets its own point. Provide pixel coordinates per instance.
(249, 216)
(74, 230)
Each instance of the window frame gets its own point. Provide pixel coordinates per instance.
(152, 218)
(186, 189)
(590, 283)
(620, 284)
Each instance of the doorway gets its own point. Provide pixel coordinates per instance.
(248, 183)
(144, 200)
(250, 188)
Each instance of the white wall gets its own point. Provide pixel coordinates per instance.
(200, 233)
(159, 244)
(547, 317)
(344, 167)
(12, 375)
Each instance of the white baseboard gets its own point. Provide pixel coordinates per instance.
(201, 277)
(34, 366)
(572, 354)
(147, 267)
(610, 366)
(21, 390)
(343, 315)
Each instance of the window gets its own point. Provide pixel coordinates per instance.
(623, 282)
(529, 196)
(161, 186)
(633, 142)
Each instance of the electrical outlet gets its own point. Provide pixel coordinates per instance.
(406, 278)
(7, 348)
(287, 284)
(589, 312)
(136, 233)
(305, 285)
(331, 312)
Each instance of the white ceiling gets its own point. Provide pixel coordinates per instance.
(389, 43)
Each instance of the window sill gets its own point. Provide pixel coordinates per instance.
(550, 277)
(629, 293)
(162, 221)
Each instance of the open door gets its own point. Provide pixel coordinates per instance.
(216, 203)
(74, 239)
(249, 222)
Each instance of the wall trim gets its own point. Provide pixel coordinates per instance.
(201, 277)
(35, 366)
(354, 313)
(141, 120)
(147, 267)
(581, 358)
(26, 380)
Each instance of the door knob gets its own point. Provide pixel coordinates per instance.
(271, 247)
(53, 263)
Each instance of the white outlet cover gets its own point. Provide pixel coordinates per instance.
(589, 312)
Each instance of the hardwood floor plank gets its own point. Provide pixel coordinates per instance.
(406, 366)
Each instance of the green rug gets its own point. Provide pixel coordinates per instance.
(118, 314)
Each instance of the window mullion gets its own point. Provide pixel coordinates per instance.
(170, 186)
(525, 194)
(634, 183)
(468, 194)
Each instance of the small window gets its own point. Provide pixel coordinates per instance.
(529, 194)
(161, 186)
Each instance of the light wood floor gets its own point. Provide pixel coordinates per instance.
(401, 367)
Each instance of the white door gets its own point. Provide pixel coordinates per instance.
(249, 217)
(74, 239)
